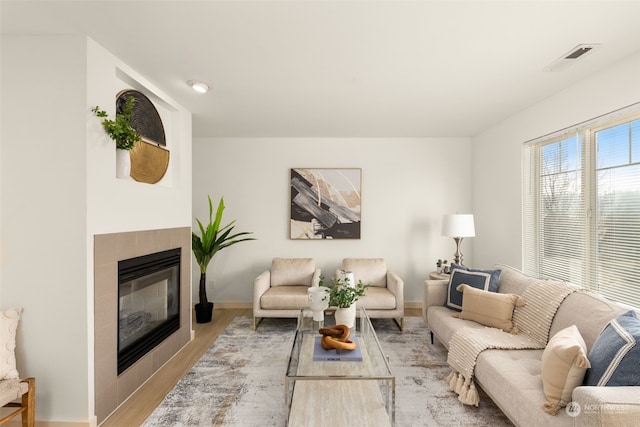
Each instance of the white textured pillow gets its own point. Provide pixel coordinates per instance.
(8, 326)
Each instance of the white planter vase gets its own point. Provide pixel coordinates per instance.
(123, 164)
(318, 301)
(347, 277)
(346, 316)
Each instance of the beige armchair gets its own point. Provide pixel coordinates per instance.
(385, 297)
(281, 291)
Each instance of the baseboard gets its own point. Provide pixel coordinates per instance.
(233, 304)
(413, 304)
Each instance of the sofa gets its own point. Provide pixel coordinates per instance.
(513, 378)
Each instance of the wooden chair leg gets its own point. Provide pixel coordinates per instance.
(29, 403)
(25, 407)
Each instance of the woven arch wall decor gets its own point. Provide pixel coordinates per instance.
(149, 157)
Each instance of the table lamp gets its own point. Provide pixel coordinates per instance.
(458, 226)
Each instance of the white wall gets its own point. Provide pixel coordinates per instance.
(58, 189)
(117, 205)
(407, 184)
(497, 152)
(44, 215)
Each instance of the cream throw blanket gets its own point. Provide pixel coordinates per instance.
(533, 322)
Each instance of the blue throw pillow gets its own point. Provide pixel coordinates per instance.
(479, 279)
(615, 356)
(495, 275)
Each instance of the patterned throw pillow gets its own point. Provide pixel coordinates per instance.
(615, 355)
(486, 280)
(8, 326)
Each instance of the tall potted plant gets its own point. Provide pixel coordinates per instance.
(212, 239)
(123, 133)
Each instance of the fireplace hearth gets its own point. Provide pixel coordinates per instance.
(148, 303)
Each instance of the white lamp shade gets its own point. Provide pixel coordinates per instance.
(458, 225)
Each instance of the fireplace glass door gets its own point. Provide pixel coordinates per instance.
(148, 304)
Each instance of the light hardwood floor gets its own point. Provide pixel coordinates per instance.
(139, 406)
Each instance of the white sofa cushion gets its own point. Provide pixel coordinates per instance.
(292, 271)
(512, 379)
(285, 298)
(377, 298)
(372, 271)
(590, 324)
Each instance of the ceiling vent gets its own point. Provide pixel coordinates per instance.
(570, 57)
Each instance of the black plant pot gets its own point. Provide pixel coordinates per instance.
(204, 312)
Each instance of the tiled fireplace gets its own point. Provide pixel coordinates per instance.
(110, 250)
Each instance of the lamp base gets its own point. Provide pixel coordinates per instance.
(457, 257)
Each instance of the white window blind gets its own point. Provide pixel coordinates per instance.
(582, 207)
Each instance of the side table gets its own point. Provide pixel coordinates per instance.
(434, 275)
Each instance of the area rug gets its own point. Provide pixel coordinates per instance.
(239, 382)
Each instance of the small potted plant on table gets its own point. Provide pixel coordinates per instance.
(343, 296)
(441, 266)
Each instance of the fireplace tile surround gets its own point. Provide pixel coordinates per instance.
(112, 390)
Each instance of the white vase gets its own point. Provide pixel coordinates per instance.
(346, 316)
(123, 164)
(347, 277)
(318, 301)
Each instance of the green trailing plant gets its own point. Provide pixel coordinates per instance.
(120, 129)
(441, 263)
(213, 238)
(341, 294)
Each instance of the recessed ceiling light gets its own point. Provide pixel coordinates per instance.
(198, 86)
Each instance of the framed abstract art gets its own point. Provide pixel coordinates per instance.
(325, 203)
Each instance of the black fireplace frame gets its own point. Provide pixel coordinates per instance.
(134, 268)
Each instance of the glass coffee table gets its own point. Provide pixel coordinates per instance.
(338, 392)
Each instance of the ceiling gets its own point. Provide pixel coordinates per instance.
(354, 68)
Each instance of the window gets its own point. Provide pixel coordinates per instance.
(582, 207)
